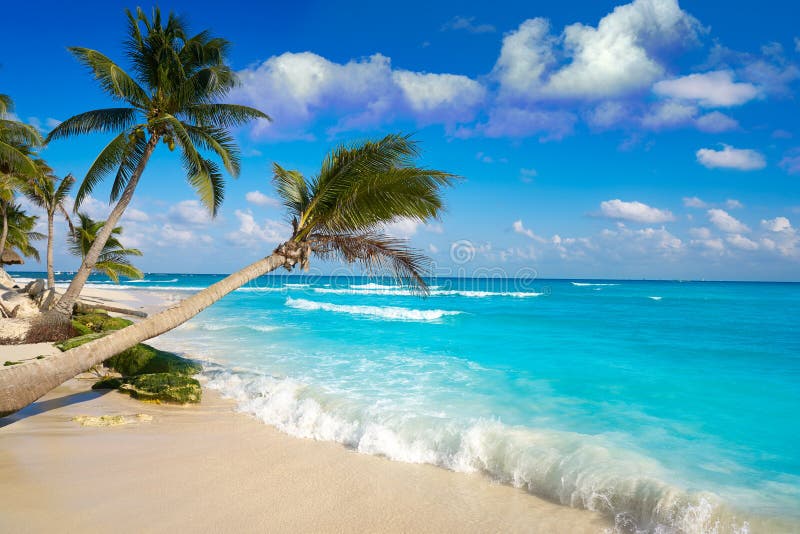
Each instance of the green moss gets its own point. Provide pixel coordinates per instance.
(98, 321)
(163, 387)
(8, 363)
(144, 359)
(109, 382)
(78, 341)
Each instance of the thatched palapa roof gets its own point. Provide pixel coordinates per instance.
(11, 258)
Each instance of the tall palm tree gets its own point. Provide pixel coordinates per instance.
(340, 213)
(50, 193)
(21, 231)
(113, 260)
(172, 96)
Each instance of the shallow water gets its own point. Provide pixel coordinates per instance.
(669, 406)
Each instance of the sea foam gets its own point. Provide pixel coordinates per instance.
(383, 312)
(433, 292)
(572, 469)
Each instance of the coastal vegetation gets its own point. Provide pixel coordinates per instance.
(113, 259)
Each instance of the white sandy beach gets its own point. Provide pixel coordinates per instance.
(208, 469)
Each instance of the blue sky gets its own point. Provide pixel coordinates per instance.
(597, 139)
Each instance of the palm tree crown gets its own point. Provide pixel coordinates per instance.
(171, 96)
(342, 212)
(113, 259)
(16, 141)
(49, 192)
(21, 231)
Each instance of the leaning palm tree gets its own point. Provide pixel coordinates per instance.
(113, 260)
(15, 140)
(171, 96)
(50, 193)
(341, 213)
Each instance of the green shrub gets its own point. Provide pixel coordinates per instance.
(78, 341)
(98, 321)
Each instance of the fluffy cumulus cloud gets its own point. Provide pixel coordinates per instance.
(710, 89)
(189, 212)
(726, 222)
(778, 224)
(741, 242)
(520, 228)
(742, 159)
(616, 57)
(716, 122)
(297, 88)
(634, 211)
(260, 199)
(250, 233)
(694, 202)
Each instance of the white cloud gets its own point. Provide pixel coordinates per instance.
(715, 245)
(527, 175)
(607, 114)
(132, 214)
(614, 58)
(741, 242)
(668, 114)
(260, 199)
(527, 232)
(700, 233)
(634, 211)
(433, 249)
(733, 204)
(402, 228)
(251, 233)
(716, 122)
(743, 159)
(778, 224)
(520, 122)
(51, 123)
(791, 162)
(694, 202)
(297, 88)
(189, 212)
(170, 235)
(726, 222)
(709, 89)
(467, 24)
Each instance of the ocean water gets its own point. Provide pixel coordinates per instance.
(667, 406)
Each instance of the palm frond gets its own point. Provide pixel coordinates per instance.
(223, 115)
(375, 252)
(292, 188)
(219, 141)
(111, 77)
(110, 120)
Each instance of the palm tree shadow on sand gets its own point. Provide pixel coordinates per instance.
(43, 406)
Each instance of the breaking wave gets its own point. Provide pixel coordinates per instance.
(384, 312)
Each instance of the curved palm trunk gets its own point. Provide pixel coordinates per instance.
(51, 277)
(65, 303)
(22, 384)
(4, 234)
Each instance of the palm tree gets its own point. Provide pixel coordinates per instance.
(171, 96)
(340, 213)
(21, 231)
(15, 140)
(113, 260)
(50, 194)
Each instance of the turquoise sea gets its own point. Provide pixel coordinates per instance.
(667, 406)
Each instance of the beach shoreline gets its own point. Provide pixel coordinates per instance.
(207, 468)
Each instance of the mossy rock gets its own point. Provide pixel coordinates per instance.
(109, 382)
(78, 341)
(98, 321)
(143, 359)
(163, 387)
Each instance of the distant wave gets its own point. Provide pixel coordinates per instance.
(373, 286)
(296, 286)
(587, 284)
(216, 327)
(384, 312)
(655, 298)
(576, 470)
(146, 281)
(433, 292)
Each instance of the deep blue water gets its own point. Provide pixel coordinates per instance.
(668, 405)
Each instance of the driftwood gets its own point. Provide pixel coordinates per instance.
(84, 307)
